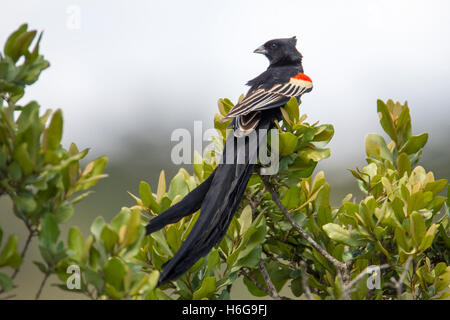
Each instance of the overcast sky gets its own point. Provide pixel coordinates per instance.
(147, 67)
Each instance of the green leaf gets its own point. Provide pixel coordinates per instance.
(23, 158)
(315, 154)
(386, 120)
(288, 143)
(18, 43)
(198, 165)
(49, 231)
(112, 292)
(6, 283)
(208, 287)
(120, 219)
(14, 171)
(436, 186)
(417, 225)
(145, 192)
(133, 225)
(403, 164)
(64, 213)
(291, 198)
(414, 144)
(109, 238)
(153, 279)
(97, 227)
(94, 278)
(8, 251)
(92, 173)
(161, 187)
(339, 234)
(25, 203)
(245, 220)
(115, 271)
(178, 186)
(75, 243)
(376, 147)
(400, 238)
(40, 266)
(53, 133)
(324, 133)
(428, 238)
(292, 109)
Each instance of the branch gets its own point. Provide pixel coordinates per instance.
(24, 251)
(361, 275)
(399, 284)
(305, 281)
(347, 288)
(259, 285)
(38, 294)
(255, 282)
(273, 291)
(340, 266)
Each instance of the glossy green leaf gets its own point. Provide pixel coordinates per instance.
(49, 231)
(54, 131)
(133, 225)
(75, 243)
(418, 229)
(376, 147)
(386, 120)
(115, 271)
(414, 144)
(428, 238)
(208, 287)
(109, 238)
(339, 234)
(288, 143)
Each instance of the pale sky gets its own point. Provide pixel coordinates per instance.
(147, 67)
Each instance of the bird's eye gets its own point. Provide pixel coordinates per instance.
(274, 45)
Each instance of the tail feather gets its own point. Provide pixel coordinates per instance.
(190, 204)
(218, 198)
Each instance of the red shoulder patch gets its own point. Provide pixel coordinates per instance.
(302, 76)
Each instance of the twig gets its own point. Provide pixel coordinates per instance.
(340, 266)
(250, 202)
(255, 282)
(24, 251)
(273, 291)
(347, 288)
(38, 294)
(399, 284)
(305, 281)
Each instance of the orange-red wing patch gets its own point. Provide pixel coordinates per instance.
(302, 76)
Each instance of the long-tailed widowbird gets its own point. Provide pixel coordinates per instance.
(219, 195)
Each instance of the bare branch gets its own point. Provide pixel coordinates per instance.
(273, 291)
(38, 294)
(255, 282)
(399, 284)
(305, 281)
(31, 234)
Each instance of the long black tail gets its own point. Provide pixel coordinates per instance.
(217, 198)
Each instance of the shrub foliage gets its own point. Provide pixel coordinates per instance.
(285, 234)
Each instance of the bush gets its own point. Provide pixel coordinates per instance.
(285, 232)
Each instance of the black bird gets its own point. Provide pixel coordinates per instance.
(218, 196)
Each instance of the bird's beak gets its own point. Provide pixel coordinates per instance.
(261, 50)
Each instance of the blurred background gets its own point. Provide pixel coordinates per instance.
(128, 73)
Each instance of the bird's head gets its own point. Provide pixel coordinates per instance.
(281, 51)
